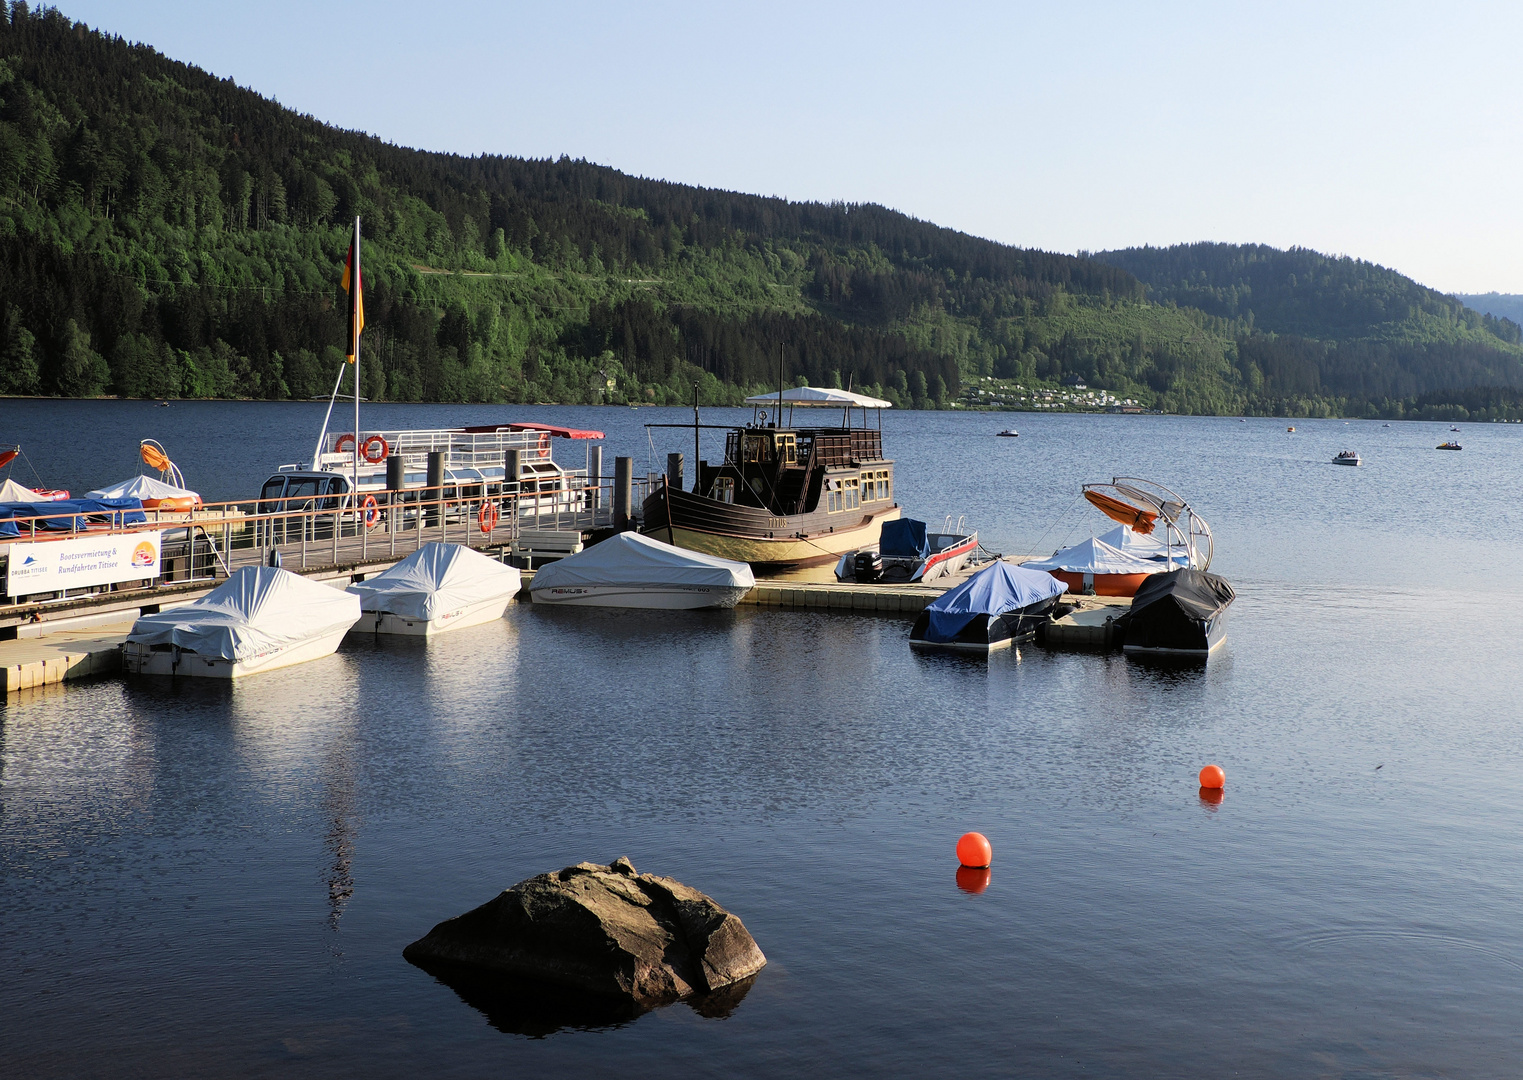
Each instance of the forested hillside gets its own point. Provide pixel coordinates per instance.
(1502, 305)
(164, 233)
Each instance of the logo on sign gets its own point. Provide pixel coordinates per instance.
(144, 554)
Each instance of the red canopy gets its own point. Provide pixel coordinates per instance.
(558, 432)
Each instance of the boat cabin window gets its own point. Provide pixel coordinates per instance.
(833, 496)
(762, 446)
(271, 492)
(851, 494)
(724, 489)
(875, 485)
(303, 487)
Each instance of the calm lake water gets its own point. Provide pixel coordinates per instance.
(218, 881)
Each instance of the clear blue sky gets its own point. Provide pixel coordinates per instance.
(1388, 131)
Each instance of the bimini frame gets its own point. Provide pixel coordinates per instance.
(1141, 503)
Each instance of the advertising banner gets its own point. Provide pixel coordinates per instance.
(54, 565)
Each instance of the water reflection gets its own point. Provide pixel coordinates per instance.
(1211, 798)
(973, 879)
(537, 1010)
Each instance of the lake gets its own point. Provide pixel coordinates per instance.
(219, 881)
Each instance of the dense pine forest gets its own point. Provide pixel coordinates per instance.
(166, 233)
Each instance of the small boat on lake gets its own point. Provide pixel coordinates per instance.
(1450, 445)
(1001, 605)
(259, 619)
(1180, 613)
(1009, 433)
(907, 552)
(1346, 457)
(634, 571)
(1095, 568)
(1291, 428)
(783, 496)
(437, 588)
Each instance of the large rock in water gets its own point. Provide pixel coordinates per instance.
(605, 930)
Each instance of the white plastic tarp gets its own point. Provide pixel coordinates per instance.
(10, 492)
(820, 396)
(257, 610)
(144, 488)
(1125, 539)
(1095, 557)
(435, 579)
(630, 559)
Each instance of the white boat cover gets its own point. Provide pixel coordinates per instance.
(435, 579)
(144, 488)
(1124, 539)
(630, 559)
(258, 609)
(823, 397)
(1096, 557)
(10, 491)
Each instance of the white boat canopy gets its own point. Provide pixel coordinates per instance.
(802, 396)
(259, 609)
(631, 560)
(435, 579)
(10, 491)
(1096, 557)
(143, 488)
(1125, 539)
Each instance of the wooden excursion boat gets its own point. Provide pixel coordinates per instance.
(783, 496)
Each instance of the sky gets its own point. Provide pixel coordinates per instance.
(1385, 131)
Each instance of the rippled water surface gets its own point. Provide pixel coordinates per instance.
(219, 881)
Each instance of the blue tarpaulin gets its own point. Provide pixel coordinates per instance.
(60, 516)
(904, 538)
(994, 590)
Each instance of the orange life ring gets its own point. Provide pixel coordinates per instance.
(338, 444)
(487, 517)
(544, 444)
(373, 441)
(372, 513)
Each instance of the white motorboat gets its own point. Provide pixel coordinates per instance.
(907, 552)
(439, 587)
(634, 571)
(260, 619)
(1346, 457)
(1009, 433)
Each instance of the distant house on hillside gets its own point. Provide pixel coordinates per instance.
(1075, 382)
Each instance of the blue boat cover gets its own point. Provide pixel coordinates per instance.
(994, 590)
(904, 539)
(60, 515)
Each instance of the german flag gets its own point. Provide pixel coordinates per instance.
(354, 287)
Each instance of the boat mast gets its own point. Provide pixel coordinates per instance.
(355, 298)
(697, 478)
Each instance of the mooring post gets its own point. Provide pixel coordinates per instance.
(623, 490)
(396, 480)
(435, 486)
(595, 478)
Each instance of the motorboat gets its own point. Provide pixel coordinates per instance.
(1450, 445)
(1001, 605)
(1292, 427)
(634, 571)
(1179, 613)
(154, 494)
(260, 619)
(1009, 433)
(1095, 568)
(783, 495)
(907, 552)
(1346, 457)
(68, 516)
(1453, 428)
(437, 588)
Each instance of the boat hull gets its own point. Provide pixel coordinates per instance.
(1181, 614)
(987, 633)
(1199, 640)
(138, 660)
(386, 622)
(1100, 584)
(745, 534)
(665, 597)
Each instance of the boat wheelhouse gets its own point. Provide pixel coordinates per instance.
(783, 495)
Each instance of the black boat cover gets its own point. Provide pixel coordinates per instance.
(1170, 606)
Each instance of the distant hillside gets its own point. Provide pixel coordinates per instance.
(1502, 305)
(1321, 331)
(164, 232)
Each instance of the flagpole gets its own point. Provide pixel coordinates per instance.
(356, 295)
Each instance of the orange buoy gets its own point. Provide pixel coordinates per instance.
(973, 879)
(1212, 778)
(973, 850)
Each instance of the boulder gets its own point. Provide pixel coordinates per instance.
(604, 930)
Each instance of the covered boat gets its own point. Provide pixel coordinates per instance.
(1095, 567)
(1180, 613)
(1141, 546)
(1000, 605)
(907, 551)
(439, 587)
(152, 493)
(630, 570)
(68, 515)
(260, 619)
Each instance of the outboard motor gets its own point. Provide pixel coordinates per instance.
(867, 566)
